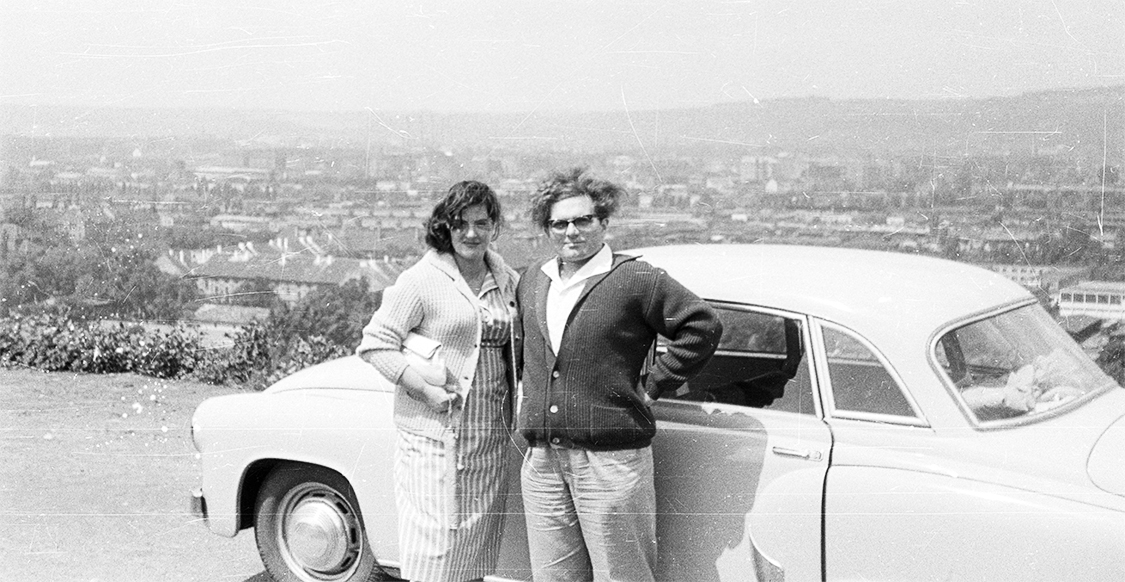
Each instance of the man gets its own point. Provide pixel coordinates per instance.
(590, 318)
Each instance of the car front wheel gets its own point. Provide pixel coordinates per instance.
(308, 527)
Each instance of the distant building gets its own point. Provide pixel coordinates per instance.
(994, 242)
(1058, 197)
(1049, 278)
(291, 276)
(242, 222)
(233, 315)
(756, 168)
(231, 173)
(1099, 299)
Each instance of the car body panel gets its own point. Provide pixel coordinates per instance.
(887, 524)
(1104, 466)
(351, 373)
(716, 463)
(1049, 456)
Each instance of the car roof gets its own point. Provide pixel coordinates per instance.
(853, 287)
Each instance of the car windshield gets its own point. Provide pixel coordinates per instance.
(1016, 364)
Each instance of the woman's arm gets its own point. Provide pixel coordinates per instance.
(438, 398)
(401, 310)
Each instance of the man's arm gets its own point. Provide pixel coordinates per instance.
(692, 328)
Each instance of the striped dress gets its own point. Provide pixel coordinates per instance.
(450, 493)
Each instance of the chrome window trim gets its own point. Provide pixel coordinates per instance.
(918, 420)
(806, 337)
(951, 389)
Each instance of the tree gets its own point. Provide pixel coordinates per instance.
(256, 292)
(152, 294)
(336, 313)
(110, 273)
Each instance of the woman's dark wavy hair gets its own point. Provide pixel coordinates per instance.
(570, 183)
(461, 196)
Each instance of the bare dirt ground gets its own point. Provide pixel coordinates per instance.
(95, 472)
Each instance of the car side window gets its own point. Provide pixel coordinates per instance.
(860, 382)
(760, 362)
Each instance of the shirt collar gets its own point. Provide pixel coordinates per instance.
(489, 283)
(445, 262)
(600, 263)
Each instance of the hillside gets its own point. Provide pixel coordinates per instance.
(1082, 123)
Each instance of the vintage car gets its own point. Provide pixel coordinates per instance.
(867, 416)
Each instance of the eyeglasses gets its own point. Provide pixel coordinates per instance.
(582, 223)
(460, 226)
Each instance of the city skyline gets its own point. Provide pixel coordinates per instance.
(510, 56)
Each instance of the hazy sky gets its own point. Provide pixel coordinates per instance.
(512, 55)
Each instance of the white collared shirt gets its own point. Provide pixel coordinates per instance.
(562, 297)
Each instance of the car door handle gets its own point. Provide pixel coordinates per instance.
(800, 454)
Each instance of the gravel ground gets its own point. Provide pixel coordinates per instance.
(95, 478)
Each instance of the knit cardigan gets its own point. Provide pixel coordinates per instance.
(589, 395)
(431, 298)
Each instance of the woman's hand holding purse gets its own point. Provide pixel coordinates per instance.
(426, 378)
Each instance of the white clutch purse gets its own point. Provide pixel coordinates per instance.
(424, 357)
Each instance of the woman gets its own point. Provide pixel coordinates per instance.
(450, 470)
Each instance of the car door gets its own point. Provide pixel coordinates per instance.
(890, 510)
(741, 456)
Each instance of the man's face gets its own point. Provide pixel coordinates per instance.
(575, 230)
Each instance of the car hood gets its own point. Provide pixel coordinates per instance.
(351, 373)
(1106, 465)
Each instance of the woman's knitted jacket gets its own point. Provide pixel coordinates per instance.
(432, 299)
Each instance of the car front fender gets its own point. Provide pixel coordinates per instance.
(241, 436)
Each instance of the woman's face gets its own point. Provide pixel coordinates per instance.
(473, 233)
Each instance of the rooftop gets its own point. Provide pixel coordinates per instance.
(1096, 287)
(296, 268)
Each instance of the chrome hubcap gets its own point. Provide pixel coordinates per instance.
(320, 533)
(317, 534)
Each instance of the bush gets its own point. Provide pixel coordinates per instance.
(262, 354)
(305, 352)
(259, 355)
(56, 342)
(238, 364)
(337, 314)
(56, 336)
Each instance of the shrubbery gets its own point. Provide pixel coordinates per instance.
(64, 335)
(58, 343)
(258, 354)
(262, 354)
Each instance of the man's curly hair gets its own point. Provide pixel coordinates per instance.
(570, 183)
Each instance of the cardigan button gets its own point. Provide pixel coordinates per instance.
(555, 441)
(554, 408)
(555, 374)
